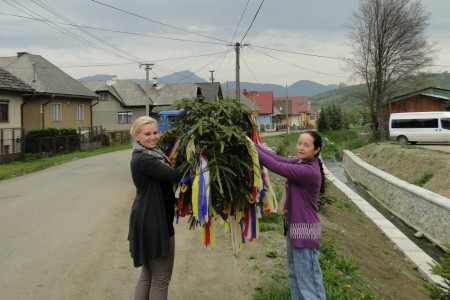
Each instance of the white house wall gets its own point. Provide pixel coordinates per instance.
(264, 119)
(14, 106)
(105, 113)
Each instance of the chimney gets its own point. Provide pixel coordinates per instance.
(19, 54)
(113, 81)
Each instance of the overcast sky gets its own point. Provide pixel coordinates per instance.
(113, 36)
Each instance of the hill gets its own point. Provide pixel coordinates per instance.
(178, 77)
(299, 88)
(346, 97)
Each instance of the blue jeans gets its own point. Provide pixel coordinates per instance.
(304, 273)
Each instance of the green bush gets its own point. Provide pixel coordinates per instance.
(435, 291)
(104, 138)
(51, 140)
(424, 179)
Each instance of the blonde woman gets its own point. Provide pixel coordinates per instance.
(151, 231)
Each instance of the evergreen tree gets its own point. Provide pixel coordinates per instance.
(322, 123)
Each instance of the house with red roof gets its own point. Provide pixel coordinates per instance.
(264, 105)
(300, 113)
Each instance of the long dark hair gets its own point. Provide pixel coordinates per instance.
(318, 144)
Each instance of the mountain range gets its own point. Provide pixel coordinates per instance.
(299, 88)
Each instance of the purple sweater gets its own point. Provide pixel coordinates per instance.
(302, 190)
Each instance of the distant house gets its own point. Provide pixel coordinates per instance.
(264, 104)
(163, 96)
(231, 94)
(55, 100)
(300, 111)
(429, 99)
(119, 102)
(210, 91)
(12, 90)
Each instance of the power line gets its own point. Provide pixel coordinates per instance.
(299, 53)
(114, 31)
(64, 31)
(84, 30)
(239, 23)
(157, 22)
(334, 75)
(223, 59)
(251, 72)
(156, 60)
(254, 18)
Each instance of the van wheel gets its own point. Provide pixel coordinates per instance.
(402, 140)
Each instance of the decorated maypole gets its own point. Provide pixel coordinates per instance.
(225, 180)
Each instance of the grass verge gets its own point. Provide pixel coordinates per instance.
(18, 168)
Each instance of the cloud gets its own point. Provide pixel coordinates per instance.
(310, 27)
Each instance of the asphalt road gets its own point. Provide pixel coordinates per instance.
(63, 231)
(64, 236)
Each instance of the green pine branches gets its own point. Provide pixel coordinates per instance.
(218, 129)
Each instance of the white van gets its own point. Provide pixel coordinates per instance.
(420, 127)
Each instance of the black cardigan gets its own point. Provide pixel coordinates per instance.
(152, 213)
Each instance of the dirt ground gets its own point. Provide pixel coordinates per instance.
(377, 257)
(82, 252)
(384, 266)
(411, 163)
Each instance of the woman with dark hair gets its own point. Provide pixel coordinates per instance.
(305, 181)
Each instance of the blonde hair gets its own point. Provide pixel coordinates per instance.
(139, 122)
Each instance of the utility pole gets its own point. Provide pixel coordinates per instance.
(237, 48)
(148, 67)
(212, 75)
(287, 118)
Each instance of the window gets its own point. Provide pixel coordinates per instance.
(445, 123)
(312, 117)
(56, 112)
(104, 96)
(415, 123)
(124, 117)
(4, 106)
(80, 112)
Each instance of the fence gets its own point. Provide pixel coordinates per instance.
(53, 144)
(11, 146)
(272, 127)
(15, 145)
(95, 137)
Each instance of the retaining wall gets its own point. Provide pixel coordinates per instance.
(423, 210)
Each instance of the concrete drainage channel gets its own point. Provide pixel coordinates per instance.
(428, 247)
(419, 251)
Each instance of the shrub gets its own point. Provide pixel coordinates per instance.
(435, 291)
(424, 179)
(102, 137)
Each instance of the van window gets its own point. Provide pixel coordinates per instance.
(171, 119)
(445, 123)
(415, 123)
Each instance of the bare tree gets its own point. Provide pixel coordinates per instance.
(388, 44)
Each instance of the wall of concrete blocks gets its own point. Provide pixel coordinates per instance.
(421, 209)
